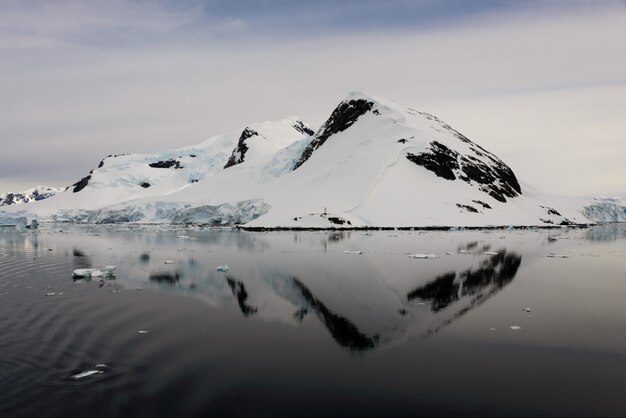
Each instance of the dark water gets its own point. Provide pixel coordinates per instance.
(298, 328)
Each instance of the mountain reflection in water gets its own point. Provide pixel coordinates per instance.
(344, 332)
(364, 302)
(239, 291)
(493, 274)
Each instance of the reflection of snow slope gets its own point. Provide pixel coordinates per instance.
(374, 299)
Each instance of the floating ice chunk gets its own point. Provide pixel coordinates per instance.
(86, 373)
(527, 310)
(558, 255)
(223, 268)
(515, 327)
(420, 255)
(101, 366)
(142, 331)
(51, 294)
(87, 273)
(490, 253)
(464, 252)
(492, 329)
(169, 262)
(353, 252)
(109, 269)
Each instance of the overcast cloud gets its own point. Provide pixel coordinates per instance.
(542, 84)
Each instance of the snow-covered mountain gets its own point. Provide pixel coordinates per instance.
(36, 193)
(372, 163)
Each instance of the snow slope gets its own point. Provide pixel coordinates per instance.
(372, 163)
(110, 191)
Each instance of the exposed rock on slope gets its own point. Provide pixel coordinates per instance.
(37, 193)
(239, 153)
(341, 119)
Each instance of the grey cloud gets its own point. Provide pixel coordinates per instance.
(512, 83)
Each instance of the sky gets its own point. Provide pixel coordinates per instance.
(540, 83)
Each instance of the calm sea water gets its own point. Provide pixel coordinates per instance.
(302, 326)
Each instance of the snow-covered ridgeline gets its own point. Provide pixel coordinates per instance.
(373, 163)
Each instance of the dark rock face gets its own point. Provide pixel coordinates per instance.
(441, 160)
(483, 204)
(341, 119)
(166, 164)
(9, 199)
(238, 155)
(467, 208)
(303, 129)
(144, 184)
(494, 178)
(551, 211)
(338, 221)
(101, 164)
(82, 183)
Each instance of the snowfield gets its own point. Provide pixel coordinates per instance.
(373, 163)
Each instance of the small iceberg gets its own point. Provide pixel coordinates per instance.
(557, 256)
(353, 252)
(87, 273)
(223, 268)
(490, 253)
(85, 374)
(420, 255)
(515, 327)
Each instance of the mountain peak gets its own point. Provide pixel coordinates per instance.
(345, 115)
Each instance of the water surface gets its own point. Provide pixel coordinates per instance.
(302, 325)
